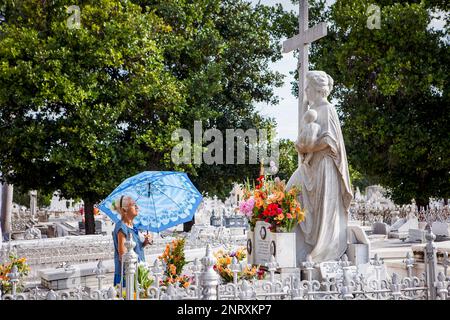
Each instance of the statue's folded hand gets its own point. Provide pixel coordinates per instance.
(303, 148)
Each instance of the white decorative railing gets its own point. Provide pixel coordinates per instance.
(206, 285)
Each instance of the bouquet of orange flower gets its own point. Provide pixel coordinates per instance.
(182, 281)
(174, 260)
(269, 201)
(224, 261)
(5, 269)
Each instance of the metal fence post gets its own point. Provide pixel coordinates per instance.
(196, 269)
(247, 292)
(441, 286)
(272, 267)
(445, 263)
(409, 261)
(14, 279)
(209, 278)
(395, 287)
(130, 265)
(377, 264)
(430, 263)
(235, 267)
(157, 271)
(100, 274)
(308, 265)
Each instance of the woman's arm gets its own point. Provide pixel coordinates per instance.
(121, 244)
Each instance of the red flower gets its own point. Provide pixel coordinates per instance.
(272, 210)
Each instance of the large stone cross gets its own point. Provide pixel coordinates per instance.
(301, 41)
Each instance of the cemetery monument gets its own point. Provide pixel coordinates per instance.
(324, 180)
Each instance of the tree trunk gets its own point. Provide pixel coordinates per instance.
(422, 203)
(187, 226)
(89, 222)
(422, 200)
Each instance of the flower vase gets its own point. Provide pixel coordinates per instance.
(250, 247)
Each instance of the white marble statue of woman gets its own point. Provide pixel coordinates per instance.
(324, 182)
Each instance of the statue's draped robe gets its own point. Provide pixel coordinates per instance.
(325, 194)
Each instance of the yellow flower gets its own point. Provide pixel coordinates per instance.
(279, 196)
(186, 284)
(301, 216)
(259, 202)
(172, 269)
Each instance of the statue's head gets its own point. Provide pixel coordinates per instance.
(318, 85)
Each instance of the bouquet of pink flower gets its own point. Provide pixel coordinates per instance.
(269, 201)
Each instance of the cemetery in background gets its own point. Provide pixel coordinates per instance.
(66, 264)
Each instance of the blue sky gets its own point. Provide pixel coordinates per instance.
(285, 113)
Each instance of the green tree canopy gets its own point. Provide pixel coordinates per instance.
(392, 93)
(83, 108)
(70, 97)
(220, 51)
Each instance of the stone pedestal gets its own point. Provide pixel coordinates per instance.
(358, 253)
(268, 244)
(282, 247)
(358, 247)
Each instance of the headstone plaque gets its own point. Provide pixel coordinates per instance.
(380, 228)
(410, 224)
(263, 240)
(440, 228)
(398, 224)
(417, 235)
(216, 221)
(235, 221)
